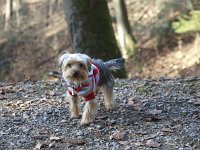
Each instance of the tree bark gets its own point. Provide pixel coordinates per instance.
(126, 40)
(18, 7)
(90, 27)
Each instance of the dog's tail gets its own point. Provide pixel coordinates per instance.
(115, 64)
(55, 74)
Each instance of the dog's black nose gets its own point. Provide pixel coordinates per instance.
(75, 73)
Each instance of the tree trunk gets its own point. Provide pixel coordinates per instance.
(51, 7)
(195, 4)
(90, 27)
(8, 13)
(18, 7)
(126, 40)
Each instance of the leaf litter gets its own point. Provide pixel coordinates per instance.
(148, 113)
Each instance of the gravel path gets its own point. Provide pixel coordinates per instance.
(148, 114)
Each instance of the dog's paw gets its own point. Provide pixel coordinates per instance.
(74, 116)
(85, 123)
(109, 107)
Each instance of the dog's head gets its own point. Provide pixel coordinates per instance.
(75, 67)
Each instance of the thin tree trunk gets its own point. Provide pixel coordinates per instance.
(8, 13)
(51, 6)
(17, 13)
(126, 40)
(195, 4)
(90, 26)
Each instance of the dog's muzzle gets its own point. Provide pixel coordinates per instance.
(75, 74)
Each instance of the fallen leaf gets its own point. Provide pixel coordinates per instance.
(40, 137)
(136, 106)
(75, 141)
(123, 142)
(55, 138)
(102, 117)
(29, 102)
(51, 93)
(25, 116)
(131, 103)
(152, 119)
(138, 144)
(40, 145)
(151, 136)
(195, 101)
(118, 135)
(7, 89)
(167, 130)
(155, 111)
(140, 132)
(42, 131)
(2, 97)
(152, 143)
(2, 91)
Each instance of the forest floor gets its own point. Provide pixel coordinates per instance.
(149, 114)
(170, 60)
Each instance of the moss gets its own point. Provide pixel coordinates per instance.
(96, 23)
(91, 30)
(130, 46)
(143, 89)
(187, 23)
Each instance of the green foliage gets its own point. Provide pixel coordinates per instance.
(187, 23)
(144, 89)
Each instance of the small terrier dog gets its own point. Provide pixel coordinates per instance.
(83, 76)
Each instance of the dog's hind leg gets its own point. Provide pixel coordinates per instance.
(108, 96)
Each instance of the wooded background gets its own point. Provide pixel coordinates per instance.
(34, 32)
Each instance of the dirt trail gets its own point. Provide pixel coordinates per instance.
(162, 114)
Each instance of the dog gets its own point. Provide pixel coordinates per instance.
(83, 76)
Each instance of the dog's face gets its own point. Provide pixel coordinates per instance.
(75, 67)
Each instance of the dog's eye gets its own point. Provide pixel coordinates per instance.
(81, 65)
(69, 65)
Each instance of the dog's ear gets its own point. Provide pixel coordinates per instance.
(88, 61)
(62, 58)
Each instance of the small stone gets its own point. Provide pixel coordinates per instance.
(155, 111)
(51, 145)
(79, 133)
(138, 144)
(45, 118)
(152, 143)
(25, 116)
(17, 119)
(123, 142)
(113, 121)
(40, 145)
(96, 140)
(79, 137)
(99, 126)
(195, 102)
(55, 138)
(127, 147)
(63, 120)
(118, 135)
(167, 130)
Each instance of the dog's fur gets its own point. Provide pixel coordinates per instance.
(75, 68)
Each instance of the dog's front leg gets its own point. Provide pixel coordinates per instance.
(74, 106)
(89, 112)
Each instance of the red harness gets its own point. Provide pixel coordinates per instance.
(87, 88)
